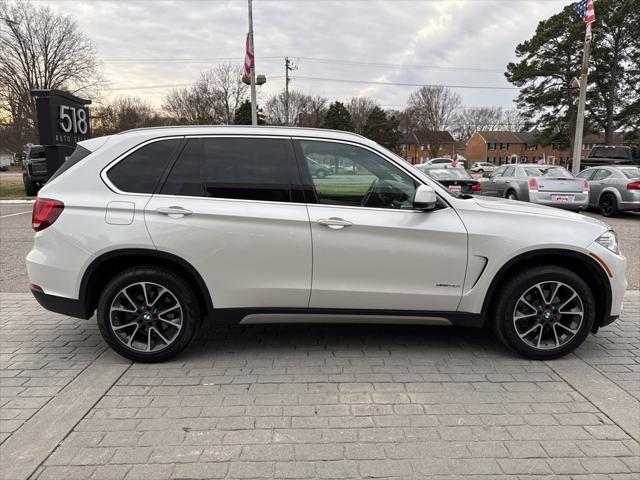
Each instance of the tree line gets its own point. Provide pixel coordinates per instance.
(43, 49)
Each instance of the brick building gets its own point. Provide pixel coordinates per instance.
(415, 146)
(502, 147)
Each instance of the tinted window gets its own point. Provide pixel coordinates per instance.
(586, 174)
(78, 154)
(601, 174)
(631, 172)
(240, 168)
(359, 177)
(510, 172)
(141, 170)
(611, 152)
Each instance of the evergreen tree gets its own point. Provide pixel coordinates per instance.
(243, 115)
(382, 129)
(338, 118)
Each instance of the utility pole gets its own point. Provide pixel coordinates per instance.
(254, 108)
(582, 97)
(288, 66)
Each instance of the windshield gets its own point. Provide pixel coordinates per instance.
(631, 172)
(547, 172)
(448, 173)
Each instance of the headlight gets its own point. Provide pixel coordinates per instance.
(609, 240)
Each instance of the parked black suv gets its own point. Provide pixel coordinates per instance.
(34, 170)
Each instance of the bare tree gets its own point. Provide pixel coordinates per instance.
(275, 108)
(470, 120)
(360, 108)
(434, 109)
(513, 120)
(314, 113)
(124, 113)
(213, 99)
(40, 49)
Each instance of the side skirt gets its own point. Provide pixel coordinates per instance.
(247, 316)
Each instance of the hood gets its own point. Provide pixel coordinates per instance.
(504, 205)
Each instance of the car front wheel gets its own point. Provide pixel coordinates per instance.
(148, 314)
(545, 312)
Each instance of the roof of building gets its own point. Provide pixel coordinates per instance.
(497, 136)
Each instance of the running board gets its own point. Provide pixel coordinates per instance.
(258, 318)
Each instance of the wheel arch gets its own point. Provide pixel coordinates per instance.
(582, 264)
(612, 190)
(104, 267)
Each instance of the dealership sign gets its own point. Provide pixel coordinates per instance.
(63, 119)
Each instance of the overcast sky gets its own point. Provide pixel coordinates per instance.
(160, 43)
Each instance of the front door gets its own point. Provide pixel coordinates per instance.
(371, 249)
(226, 207)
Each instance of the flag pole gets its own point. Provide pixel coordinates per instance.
(254, 110)
(582, 97)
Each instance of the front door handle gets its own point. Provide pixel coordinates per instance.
(334, 223)
(174, 210)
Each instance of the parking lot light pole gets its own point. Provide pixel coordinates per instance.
(254, 109)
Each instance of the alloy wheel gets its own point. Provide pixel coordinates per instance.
(548, 315)
(146, 317)
(607, 204)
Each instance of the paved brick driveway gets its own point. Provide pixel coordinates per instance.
(314, 402)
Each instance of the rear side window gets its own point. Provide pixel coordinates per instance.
(238, 168)
(601, 174)
(78, 154)
(140, 172)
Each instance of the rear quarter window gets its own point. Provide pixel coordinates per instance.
(141, 170)
(78, 154)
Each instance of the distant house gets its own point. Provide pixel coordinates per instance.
(415, 147)
(502, 147)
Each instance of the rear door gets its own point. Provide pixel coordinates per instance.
(490, 187)
(371, 249)
(229, 207)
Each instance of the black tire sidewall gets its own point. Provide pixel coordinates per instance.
(614, 211)
(518, 285)
(510, 193)
(177, 285)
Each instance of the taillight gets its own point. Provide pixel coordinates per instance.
(533, 184)
(476, 187)
(585, 186)
(633, 186)
(45, 212)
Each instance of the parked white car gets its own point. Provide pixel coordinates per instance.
(481, 167)
(157, 230)
(443, 162)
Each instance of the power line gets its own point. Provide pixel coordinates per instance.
(401, 84)
(401, 65)
(174, 85)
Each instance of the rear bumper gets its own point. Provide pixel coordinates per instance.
(578, 201)
(63, 305)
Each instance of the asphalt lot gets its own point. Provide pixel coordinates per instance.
(310, 401)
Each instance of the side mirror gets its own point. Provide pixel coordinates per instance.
(425, 198)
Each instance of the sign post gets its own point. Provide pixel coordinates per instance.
(63, 121)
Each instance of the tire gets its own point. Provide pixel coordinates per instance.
(608, 204)
(511, 195)
(480, 170)
(30, 187)
(178, 326)
(531, 334)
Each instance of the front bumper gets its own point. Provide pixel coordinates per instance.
(617, 266)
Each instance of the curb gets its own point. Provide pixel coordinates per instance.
(16, 202)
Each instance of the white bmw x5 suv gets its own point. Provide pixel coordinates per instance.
(156, 230)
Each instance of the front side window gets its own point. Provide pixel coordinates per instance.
(140, 172)
(510, 172)
(499, 172)
(238, 168)
(360, 178)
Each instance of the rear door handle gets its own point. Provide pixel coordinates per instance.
(334, 223)
(173, 210)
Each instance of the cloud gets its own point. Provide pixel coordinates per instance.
(139, 42)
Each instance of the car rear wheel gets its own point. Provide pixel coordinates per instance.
(545, 312)
(148, 314)
(609, 205)
(511, 195)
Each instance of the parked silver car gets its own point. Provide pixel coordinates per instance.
(482, 167)
(613, 189)
(543, 184)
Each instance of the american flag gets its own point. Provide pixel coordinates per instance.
(249, 61)
(586, 11)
